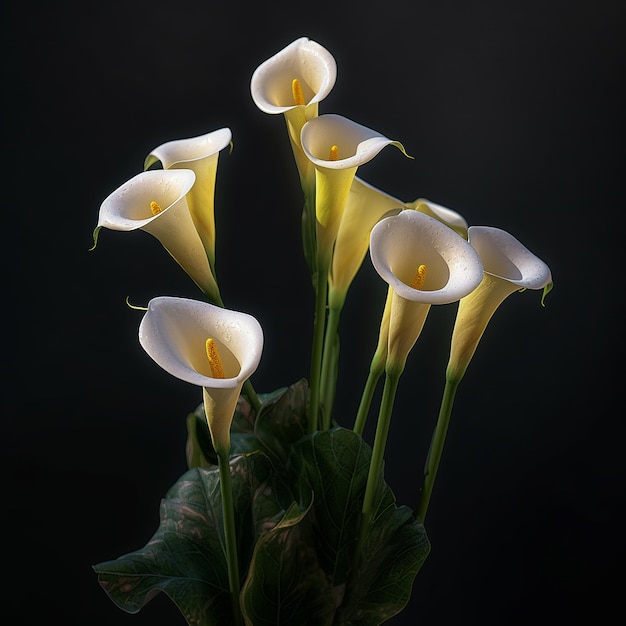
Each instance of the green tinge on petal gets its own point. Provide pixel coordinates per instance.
(402, 149)
(149, 161)
(546, 290)
(96, 232)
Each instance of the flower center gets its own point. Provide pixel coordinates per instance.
(334, 153)
(155, 208)
(419, 278)
(215, 363)
(296, 90)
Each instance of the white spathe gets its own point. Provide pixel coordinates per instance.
(315, 69)
(398, 246)
(303, 59)
(128, 208)
(508, 267)
(201, 155)
(356, 144)
(174, 331)
(507, 258)
(444, 214)
(365, 207)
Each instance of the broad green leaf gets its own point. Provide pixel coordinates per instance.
(282, 423)
(334, 465)
(198, 448)
(285, 584)
(185, 558)
(382, 584)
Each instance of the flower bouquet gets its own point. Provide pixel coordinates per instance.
(284, 515)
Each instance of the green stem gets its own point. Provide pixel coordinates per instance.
(319, 323)
(376, 370)
(230, 534)
(252, 396)
(329, 364)
(378, 453)
(436, 449)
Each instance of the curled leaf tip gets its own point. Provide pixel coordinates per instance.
(402, 149)
(96, 230)
(546, 290)
(134, 306)
(231, 145)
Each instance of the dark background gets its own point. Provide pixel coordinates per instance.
(514, 112)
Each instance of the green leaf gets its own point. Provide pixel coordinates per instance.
(286, 584)
(297, 516)
(282, 423)
(198, 448)
(381, 586)
(334, 465)
(185, 558)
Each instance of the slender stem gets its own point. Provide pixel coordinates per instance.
(252, 396)
(436, 449)
(319, 323)
(329, 364)
(376, 370)
(230, 534)
(378, 453)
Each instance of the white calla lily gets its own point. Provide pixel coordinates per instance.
(508, 267)
(337, 146)
(174, 332)
(199, 154)
(128, 208)
(272, 89)
(452, 268)
(365, 207)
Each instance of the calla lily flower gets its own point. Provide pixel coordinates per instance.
(174, 332)
(448, 216)
(129, 208)
(199, 154)
(337, 146)
(411, 244)
(315, 70)
(365, 207)
(508, 267)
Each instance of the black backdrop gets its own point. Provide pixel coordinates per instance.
(514, 114)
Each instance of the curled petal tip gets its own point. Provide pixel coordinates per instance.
(546, 290)
(356, 144)
(96, 232)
